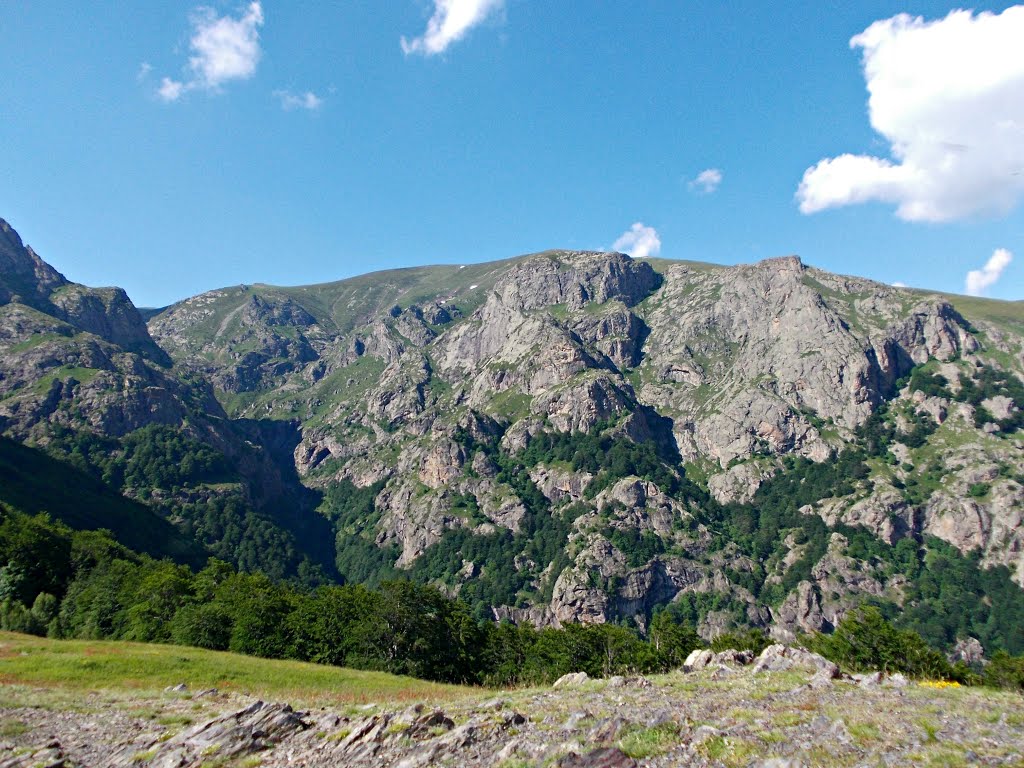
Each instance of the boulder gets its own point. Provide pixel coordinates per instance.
(778, 658)
(698, 660)
(571, 680)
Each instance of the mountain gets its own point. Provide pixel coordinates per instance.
(81, 377)
(580, 436)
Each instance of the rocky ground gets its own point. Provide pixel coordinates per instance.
(786, 708)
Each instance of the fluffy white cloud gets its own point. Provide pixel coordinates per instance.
(707, 181)
(978, 280)
(898, 284)
(307, 100)
(639, 241)
(170, 90)
(451, 20)
(948, 95)
(223, 49)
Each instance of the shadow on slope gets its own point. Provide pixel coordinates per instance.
(33, 482)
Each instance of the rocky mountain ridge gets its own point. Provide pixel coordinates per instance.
(430, 389)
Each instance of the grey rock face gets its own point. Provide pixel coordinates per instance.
(969, 651)
(23, 275)
(742, 354)
(576, 278)
(26, 279)
(740, 482)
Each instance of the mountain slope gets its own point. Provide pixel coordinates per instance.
(431, 408)
(81, 377)
(569, 436)
(33, 482)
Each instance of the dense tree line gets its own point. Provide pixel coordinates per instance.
(84, 584)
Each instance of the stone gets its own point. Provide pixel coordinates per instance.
(602, 757)
(869, 680)
(573, 721)
(606, 731)
(704, 733)
(571, 680)
(698, 660)
(236, 734)
(777, 658)
(733, 657)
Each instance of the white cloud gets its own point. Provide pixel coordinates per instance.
(639, 241)
(451, 20)
(948, 95)
(144, 69)
(223, 49)
(170, 90)
(978, 280)
(707, 181)
(898, 284)
(307, 100)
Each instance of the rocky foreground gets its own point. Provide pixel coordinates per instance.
(788, 707)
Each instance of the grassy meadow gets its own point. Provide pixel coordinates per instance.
(140, 668)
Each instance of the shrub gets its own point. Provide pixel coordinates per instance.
(1005, 671)
(751, 640)
(979, 490)
(865, 641)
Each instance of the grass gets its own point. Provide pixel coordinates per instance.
(931, 730)
(865, 733)
(730, 752)
(10, 726)
(649, 742)
(65, 373)
(85, 665)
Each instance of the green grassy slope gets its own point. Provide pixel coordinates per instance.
(344, 305)
(1007, 314)
(85, 665)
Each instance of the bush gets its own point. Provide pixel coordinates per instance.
(15, 617)
(751, 640)
(1005, 671)
(864, 641)
(979, 490)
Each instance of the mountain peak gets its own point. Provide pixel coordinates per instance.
(23, 274)
(8, 234)
(106, 312)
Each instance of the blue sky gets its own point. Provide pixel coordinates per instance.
(305, 142)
